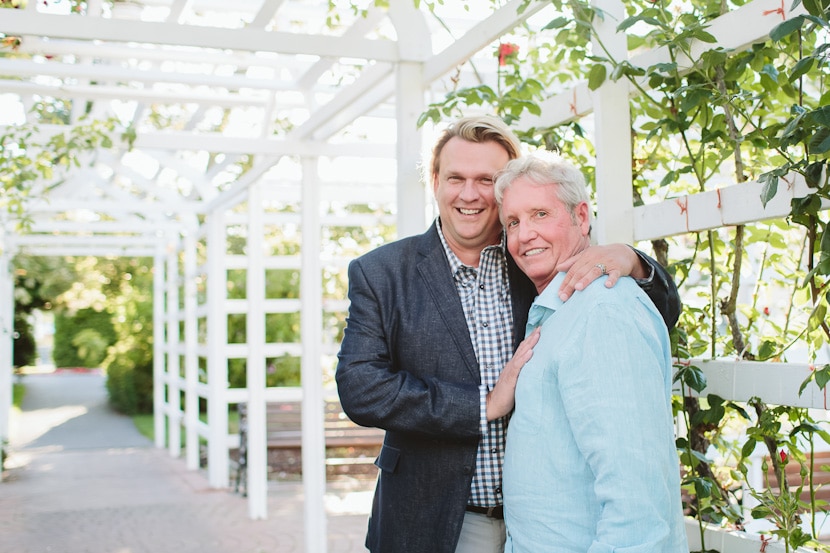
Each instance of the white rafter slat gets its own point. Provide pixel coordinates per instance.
(24, 22)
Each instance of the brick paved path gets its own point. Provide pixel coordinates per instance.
(81, 479)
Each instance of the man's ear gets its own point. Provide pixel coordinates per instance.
(583, 217)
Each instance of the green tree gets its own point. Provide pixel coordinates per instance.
(82, 337)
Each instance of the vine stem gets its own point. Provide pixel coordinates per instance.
(687, 421)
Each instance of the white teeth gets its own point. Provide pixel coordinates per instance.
(535, 251)
(468, 211)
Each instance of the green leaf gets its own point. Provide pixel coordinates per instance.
(820, 116)
(814, 7)
(665, 67)
(820, 142)
(703, 36)
(801, 67)
(692, 377)
(597, 76)
(748, 448)
(819, 315)
(703, 487)
(761, 511)
(813, 173)
(788, 27)
(767, 349)
(824, 245)
(557, 23)
(769, 188)
(669, 178)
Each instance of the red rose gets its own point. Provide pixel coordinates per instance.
(506, 50)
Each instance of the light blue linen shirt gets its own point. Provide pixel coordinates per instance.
(591, 464)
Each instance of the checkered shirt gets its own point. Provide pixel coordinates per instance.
(485, 297)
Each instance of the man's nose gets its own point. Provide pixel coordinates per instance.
(469, 190)
(526, 232)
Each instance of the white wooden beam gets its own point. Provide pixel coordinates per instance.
(366, 98)
(86, 251)
(360, 28)
(265, 14)
(368, 80)
(311, 328)
(149, 209)
(174, 426)
(191, 361)
(24, 22)
(105, 73)
(147, 95)
(612, 136)
(159, 365)
(216, 347)
(774, 383)
(152, 230)
(733, 205)
(257, 465)
(216, 142)
(410, 186)
(734, 541)
(233, 193)
(53, 47)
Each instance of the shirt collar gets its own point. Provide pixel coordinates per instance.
(455, 263)
(545, 304)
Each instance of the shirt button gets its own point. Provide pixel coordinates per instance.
(481, 286)
(494, 450)
(485, 325)
(498, 490)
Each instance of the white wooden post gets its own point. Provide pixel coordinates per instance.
(412, 199)
(159, 347)
(257, 482)
(613, 136)
(174, 428)
(311, 324)
(6, 346)
(191, 361)
(414, 49)
(217, 362)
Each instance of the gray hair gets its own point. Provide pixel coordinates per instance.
(546, 168)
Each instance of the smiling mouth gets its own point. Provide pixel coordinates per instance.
(534, 251)
(469, 211)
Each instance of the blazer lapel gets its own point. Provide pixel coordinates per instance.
(522, 292)
(434, 269)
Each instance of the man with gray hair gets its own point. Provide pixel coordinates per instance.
(590, 461)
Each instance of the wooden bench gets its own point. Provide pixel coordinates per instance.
(283, 423)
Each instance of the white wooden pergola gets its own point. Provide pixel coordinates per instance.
(352, 95)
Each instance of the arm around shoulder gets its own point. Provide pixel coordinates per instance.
(661, 288)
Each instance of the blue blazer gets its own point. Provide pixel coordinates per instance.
(407, 365)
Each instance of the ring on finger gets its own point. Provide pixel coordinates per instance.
(601, 267)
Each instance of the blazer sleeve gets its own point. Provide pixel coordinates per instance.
(662, 291)
(397, 367)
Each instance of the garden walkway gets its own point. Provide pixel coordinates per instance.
(82, 479)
